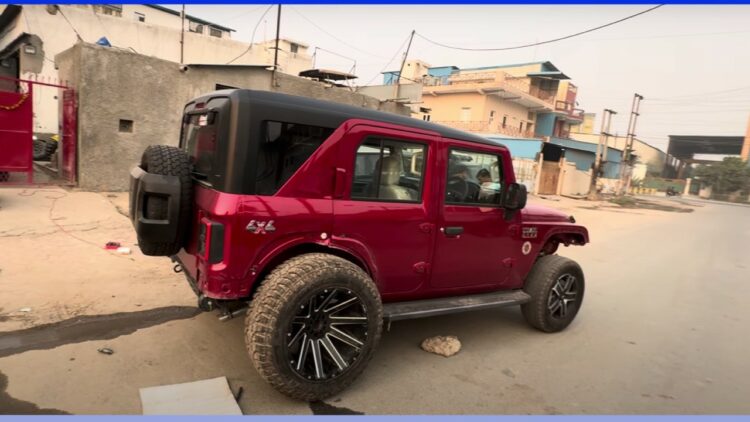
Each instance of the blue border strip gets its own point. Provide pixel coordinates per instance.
(418, 418)
(426, 2)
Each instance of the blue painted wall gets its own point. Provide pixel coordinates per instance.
(442, 72)
(519, 148)
(389, 78)
(545, 124)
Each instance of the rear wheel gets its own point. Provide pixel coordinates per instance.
(4, 176)
(313, 326)
(556, 286)
(168, 161)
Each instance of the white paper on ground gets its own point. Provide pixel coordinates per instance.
(206, 397)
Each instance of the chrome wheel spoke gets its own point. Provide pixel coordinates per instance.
(317, 359)
(302, 353)
(345, 338)
(297, 336)
(340, 306)
(334, 353)
(335, 320)
(326, 300)
(554, 307)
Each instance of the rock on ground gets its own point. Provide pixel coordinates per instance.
(442, 345)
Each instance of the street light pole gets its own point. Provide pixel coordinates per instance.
(634, 113)
(603, 140)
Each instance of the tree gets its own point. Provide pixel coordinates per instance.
(728, 176)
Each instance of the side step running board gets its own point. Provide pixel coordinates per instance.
(441, 306)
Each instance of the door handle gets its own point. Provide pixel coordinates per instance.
(452, 231)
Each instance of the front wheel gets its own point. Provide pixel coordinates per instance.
(313, 326)
(556, 286)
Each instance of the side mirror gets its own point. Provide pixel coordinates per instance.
(515, 197)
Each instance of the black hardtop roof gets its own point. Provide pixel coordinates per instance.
(331, 114)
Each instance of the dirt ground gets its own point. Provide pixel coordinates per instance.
(660, 331)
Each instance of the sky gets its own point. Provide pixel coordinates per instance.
(691, 63)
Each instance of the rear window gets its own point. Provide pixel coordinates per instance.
(283, 150)
(200, 141)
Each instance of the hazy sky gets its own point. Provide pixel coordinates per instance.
(691, 63)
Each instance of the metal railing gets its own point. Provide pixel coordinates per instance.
(569, 109)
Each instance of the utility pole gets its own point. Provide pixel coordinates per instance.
(397, 89)
(276, 48)
(603, 141)
(626, 170)
(182, 36)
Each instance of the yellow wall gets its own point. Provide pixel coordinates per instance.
(515, 113)
(587, 126)
(448, 108)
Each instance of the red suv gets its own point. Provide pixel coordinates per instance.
(328, 220)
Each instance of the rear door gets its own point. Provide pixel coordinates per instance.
(472, 246)
(380, 208)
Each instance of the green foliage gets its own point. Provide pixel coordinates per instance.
(730, 175)
(636, 182)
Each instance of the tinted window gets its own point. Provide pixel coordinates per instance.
(285, 147)
(199, 141)
(389, 170)
(473, 179)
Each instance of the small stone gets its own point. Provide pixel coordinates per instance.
(123, 250)
(106, 351)
(442, 345)
(25, 310)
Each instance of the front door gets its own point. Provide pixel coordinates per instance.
(472, 246)
(381, 212)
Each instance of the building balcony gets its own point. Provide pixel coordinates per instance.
(510, 88)
(569, 111)
(488, 127)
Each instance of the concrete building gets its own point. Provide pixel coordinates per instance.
(528, 100)
(32, 35)
(141, 99)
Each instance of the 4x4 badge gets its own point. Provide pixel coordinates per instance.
(528, 233)
(260, 227)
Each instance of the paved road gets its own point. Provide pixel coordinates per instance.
(663, 330)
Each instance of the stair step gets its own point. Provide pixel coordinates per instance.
(431, 307)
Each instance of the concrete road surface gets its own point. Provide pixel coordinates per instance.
(663, 329)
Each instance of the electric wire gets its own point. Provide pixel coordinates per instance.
(252, 37)
(541, 42)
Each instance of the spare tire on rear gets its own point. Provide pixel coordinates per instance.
(168, 161)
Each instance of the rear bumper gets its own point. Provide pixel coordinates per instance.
(144, 185)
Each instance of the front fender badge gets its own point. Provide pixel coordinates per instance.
(526, 248)
(260, 227)
(529, 233)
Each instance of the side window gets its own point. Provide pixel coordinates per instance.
(474, 179)
(389, 170)
(285, 147)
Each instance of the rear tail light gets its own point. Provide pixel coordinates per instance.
(211, 241)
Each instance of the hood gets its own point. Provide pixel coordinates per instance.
(540, 213)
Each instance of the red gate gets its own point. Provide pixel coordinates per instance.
(17, 131)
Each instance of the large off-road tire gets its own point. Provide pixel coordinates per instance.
(556, 286)
(313, 326)
(168, 161)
